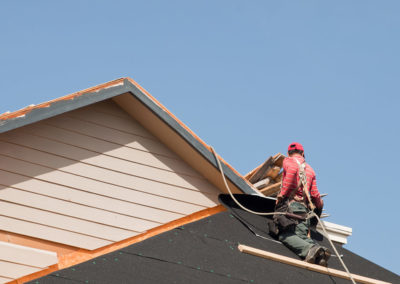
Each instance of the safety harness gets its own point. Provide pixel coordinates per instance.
(312, 214)
(303, 183)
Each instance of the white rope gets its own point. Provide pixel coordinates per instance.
(334, 248)
(311, 214)
(233, 197)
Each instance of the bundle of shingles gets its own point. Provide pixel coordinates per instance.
(267, 177)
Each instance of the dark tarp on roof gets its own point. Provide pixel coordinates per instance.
(206, 252)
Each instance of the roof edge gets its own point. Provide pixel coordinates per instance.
(35, 113)
(32, 114)
(188, 135)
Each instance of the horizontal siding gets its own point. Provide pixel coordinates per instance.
(109, 135)
(110, 149)
(49, 233)
(78, 174)
(14, 271)
(72, 154)
(27, 256)
(61, 221)
(91, 177)
(115, 199)
(127, 125)
(76, 210)
(109, 107)
(4, 279)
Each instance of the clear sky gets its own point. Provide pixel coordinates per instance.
(249, 77)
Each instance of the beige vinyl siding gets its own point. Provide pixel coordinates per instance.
(53, 234)
(91, 177)
(17, 261)
(14, 271)
(27, 256)
(5, 279)
(86, 157)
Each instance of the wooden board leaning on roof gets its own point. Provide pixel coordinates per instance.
(267, 176)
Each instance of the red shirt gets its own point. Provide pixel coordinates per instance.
(290, 179)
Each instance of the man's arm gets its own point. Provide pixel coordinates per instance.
(315, 196)
(289, 180)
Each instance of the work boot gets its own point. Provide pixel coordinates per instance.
(314, 253)
(322, 258)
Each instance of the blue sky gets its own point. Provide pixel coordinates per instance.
(249, 77)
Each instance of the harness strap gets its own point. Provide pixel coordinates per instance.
(303, 182)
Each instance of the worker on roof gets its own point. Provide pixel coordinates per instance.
(293, 198)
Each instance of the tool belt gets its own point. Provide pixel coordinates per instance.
(287, 221)
(284, 222)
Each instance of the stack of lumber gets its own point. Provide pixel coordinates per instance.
(267, 177)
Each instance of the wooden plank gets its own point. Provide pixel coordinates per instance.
(80, 226)
(14, 270)
(268, 168)
(259, 174)
(251, 173)
(308, 266)
(273, 172)
(278, 160)
(79, 175)
(109, 135)
(51, 234)
(116, 200)
(26, 255)
(110, 149)
(271, 189)
(135, 224)
(263, 183)
(279, 177)
(79, 155)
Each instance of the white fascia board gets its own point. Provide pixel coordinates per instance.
(337, 233)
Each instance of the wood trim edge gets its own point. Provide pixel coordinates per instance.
(305, 265)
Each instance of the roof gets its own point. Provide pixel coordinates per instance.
(206, 251)
(35, 113)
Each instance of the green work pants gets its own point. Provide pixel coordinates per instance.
(296, 238)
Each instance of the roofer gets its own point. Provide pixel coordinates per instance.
(293, 199)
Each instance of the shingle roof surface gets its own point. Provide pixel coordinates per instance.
(206, 252)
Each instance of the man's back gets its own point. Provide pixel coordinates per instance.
(290, 179)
